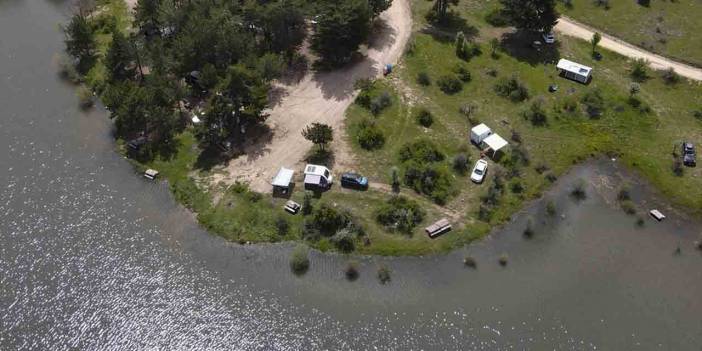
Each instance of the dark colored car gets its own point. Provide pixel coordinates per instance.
(354, 180)
(688, 154)
(136, 144)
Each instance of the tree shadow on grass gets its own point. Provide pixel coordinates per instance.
(519, 44)
(445, 30)
(319, 156)
(337, 83)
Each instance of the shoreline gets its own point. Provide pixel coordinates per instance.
(482, 233)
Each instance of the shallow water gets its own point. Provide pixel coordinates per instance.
(94, 257)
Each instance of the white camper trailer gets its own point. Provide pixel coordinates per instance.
(573, 70)
(479, 133)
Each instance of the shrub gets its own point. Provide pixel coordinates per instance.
(351, 271)
(469, 261)
(551, 208)
(644, 3)
(421, 151)
(628, 207)
(85, 97)
(697, 114)
(425, 118)
(467, 110)
(497, 18)
(369, 136)
(594, 103)
(536, 114)
(462, 73)
(364, 97)
(670, 77)
(503, 260)
(570, 104)
(307, 203)
(344, 240)
(578, 191)
(450, 84)
(461, 163)
(423, 79)
(68, 71)
(400, 213)
(299, 260)
(381, 102)
(529, 230)
(383, 274)
(512, 88)
(517, 187)
(677, 168)
(282, 226)
(395, 180)
(624, 194)
(516, 137)
(639, 70)
(329, 220)
(430, 179)
(603, 3)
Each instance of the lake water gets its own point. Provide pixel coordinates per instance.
(94, 257)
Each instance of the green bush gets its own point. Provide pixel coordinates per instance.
(369, 136)
(469, 261)
(423, 79)
(628, 207)
(461, 163)
(431, 179)
(594, 103)
(85, 97)
(639, 70)
(380, 102)
(450, 84)
(462, 73)
(383, 274)
(670, 77)
(425, 118)
(497, 18)
(329, 220)
(422, 151)
(400, 213)
(344, 240)
(282, 226)
(512, 88)
(536, 114)
(307, 203)
(299, 260)
(551, 208)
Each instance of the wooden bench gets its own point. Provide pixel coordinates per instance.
(439, 227)
(292, 207)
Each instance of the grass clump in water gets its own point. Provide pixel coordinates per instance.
(469, 261)
(578, 191)
(503, 260)
(383, 274)
(299, 260)
(551, 208)
(351, 271)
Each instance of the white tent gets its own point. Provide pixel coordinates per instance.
(283, 178)
(495, 143)
(479, 133)
(573, 70)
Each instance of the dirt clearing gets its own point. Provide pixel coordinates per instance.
(318, 97)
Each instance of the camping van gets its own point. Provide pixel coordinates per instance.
(317, 177)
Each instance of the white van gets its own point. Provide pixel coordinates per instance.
(317, 177)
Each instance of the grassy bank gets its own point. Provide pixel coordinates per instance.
(670, 28)
(548, 133)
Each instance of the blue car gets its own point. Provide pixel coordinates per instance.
(354, 180)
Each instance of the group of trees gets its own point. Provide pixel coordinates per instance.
(228, 53)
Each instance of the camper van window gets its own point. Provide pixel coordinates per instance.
(326, 174)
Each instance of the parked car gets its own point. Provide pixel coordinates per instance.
(479, 171)
(136, 144)
(549, 38)
(688, 152)
(354, 180)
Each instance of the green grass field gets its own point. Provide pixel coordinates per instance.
(671, 28)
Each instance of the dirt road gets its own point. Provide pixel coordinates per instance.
(570, 27)
(318, 97)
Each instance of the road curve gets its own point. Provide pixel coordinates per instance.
(576, 29)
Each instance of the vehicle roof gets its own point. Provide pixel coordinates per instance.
(315, 169)
(351, 175)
